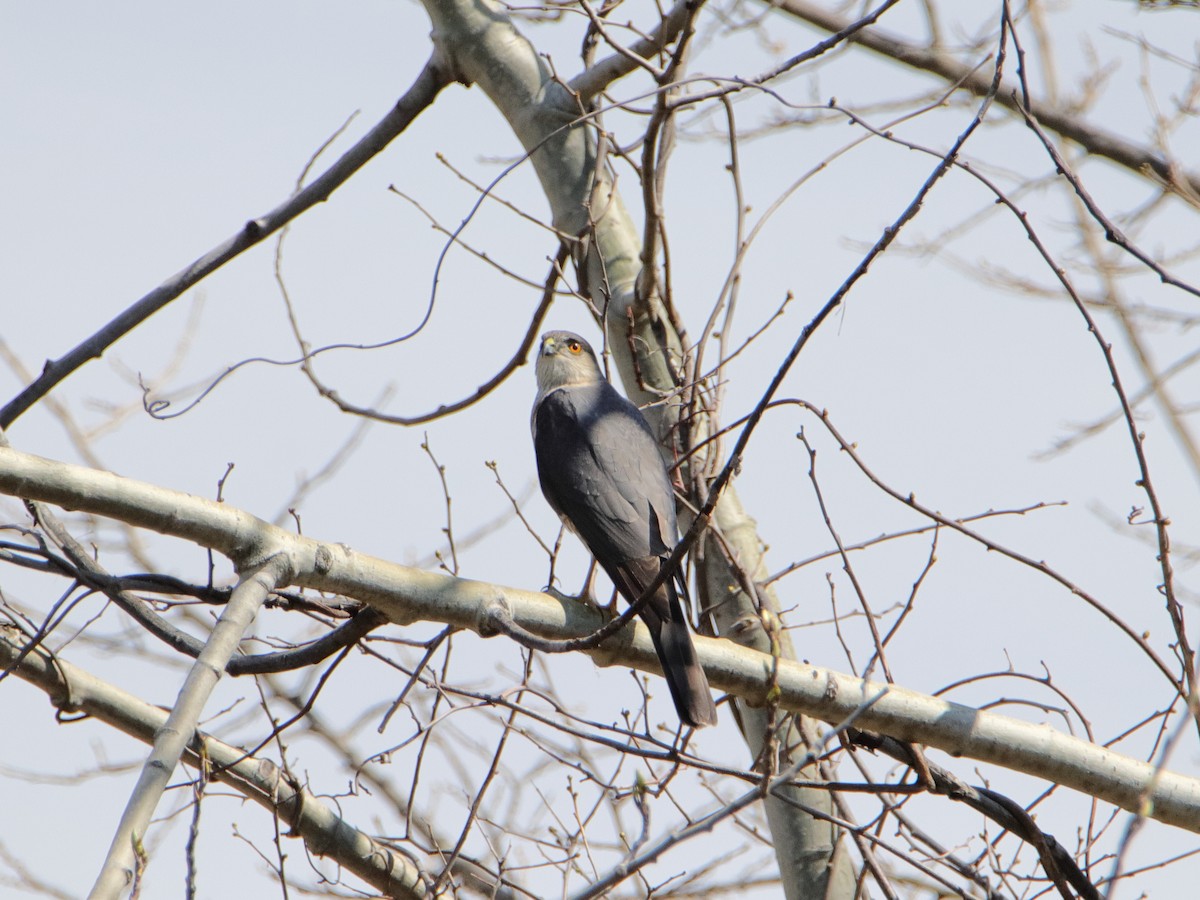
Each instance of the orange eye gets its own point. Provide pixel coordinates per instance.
(574, 346)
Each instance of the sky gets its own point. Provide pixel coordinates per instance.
(141, 136)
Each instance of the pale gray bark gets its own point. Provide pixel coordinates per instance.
(479, 43)
(409, 595)
(173, 736)
(75, 690)
(1068, 123)
(483, 47)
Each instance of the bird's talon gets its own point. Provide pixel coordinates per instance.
(585, 599)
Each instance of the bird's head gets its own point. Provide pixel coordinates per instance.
(565, 359)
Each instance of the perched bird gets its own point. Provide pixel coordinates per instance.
(600, 469)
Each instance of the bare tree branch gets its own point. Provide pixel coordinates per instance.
(408, 595)
(599, 76)
(74, 690)
(935, 60)
(422, 93)
(172, 738)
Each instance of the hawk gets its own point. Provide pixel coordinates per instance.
(601, 471)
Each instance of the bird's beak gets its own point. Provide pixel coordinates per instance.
(548, 346)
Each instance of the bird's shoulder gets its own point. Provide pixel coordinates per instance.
(601, 468)
(592, 406)
(605, 442)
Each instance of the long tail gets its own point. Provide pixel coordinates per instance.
(668, 624)
(685, 678)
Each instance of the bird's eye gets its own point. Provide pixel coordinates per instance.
(574, 346)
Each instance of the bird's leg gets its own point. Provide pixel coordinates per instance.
(585, 595)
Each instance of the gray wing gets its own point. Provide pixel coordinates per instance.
(600, 469)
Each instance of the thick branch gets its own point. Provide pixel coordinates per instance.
(563, 143)
(595, 79)
(422, 93)
(75, 690)
(407, 595)
(1095, 140)
(173, 737)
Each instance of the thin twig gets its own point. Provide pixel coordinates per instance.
(428, 84)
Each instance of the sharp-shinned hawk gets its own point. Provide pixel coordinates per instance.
(600, 469)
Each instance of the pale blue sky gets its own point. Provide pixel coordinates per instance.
(139, 136)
